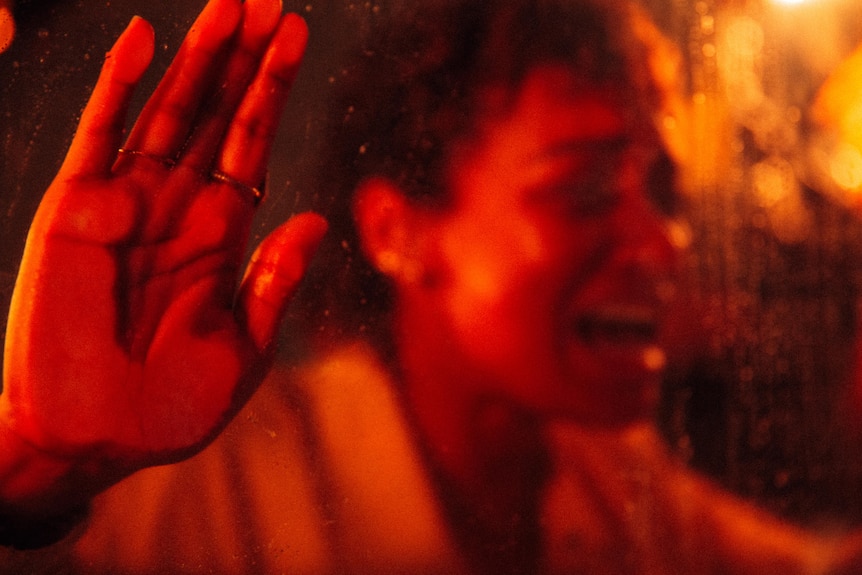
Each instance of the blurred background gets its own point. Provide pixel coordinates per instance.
(759, 395)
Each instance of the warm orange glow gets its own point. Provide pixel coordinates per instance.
(846, 168)
(839, 103)
(837, 110)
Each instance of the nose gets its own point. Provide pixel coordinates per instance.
(648, 245)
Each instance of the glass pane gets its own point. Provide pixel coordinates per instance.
(758, 390)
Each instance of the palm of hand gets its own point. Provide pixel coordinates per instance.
(147, 350)
(129, 341)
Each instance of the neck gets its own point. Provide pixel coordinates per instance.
(488, 454)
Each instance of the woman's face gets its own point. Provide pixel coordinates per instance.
(554, 267)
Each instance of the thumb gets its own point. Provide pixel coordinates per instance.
(274, 272)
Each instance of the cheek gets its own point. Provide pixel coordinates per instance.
(499, 288)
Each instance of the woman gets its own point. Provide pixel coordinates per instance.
(511, 174)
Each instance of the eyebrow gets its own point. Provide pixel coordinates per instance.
(665, 195)
(663, 185)
(609, 145)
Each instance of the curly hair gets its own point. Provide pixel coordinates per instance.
(414, 91)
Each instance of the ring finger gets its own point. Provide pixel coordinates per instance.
(245, 150)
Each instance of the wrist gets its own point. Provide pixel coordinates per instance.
(37, 506)
(37, 481)
(27, 474)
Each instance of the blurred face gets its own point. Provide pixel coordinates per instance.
(553, 269)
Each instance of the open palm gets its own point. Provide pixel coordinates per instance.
(129, 341)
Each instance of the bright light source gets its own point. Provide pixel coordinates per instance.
(789, 2)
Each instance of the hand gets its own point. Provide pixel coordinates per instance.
(128, 342)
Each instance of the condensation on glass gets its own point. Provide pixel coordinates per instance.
(774, 204)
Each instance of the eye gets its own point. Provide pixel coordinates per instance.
(584, 179)
(588, 192)
(594, 190)
(594, 196)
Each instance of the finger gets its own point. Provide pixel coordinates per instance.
(260, 21)
(273, 274)
(163, 126)
(247, 144)
(94, 147)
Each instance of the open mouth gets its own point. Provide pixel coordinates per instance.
(619, 325)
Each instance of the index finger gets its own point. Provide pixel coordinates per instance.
(94, 147)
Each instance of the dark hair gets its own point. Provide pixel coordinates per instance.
(414, 90)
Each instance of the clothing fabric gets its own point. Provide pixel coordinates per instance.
(321, 474)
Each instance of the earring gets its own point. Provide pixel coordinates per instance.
(397, 267)
(389, 263)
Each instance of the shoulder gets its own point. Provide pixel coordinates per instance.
(250, 493)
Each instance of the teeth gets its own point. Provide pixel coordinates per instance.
(619, 323)
(623, 313)
(654, 358)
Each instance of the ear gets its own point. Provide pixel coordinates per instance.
(383, 218)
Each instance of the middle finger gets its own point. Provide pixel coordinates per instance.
(260, 20)
(164, 123)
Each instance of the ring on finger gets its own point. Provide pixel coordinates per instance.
(163, 160)
(256, 194)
